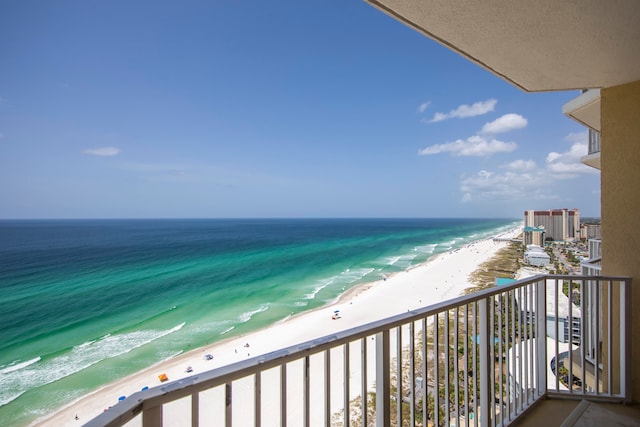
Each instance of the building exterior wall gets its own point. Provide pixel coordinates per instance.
(533, 236)
(560, 224)
(620, 199)
(590, 231)
(537, 259)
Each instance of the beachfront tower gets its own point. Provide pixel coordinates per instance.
(559, 224)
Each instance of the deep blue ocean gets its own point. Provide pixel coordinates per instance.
(85, 302)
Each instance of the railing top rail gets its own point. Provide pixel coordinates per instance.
(156, 396)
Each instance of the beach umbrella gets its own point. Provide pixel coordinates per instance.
(121, 398)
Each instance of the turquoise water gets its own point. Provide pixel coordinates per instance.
(85, 302)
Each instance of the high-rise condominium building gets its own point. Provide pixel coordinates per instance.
(559, 224)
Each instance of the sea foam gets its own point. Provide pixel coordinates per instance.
(17, 366)
(16, 379)
(245, 317)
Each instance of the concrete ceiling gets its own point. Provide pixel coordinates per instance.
(537, 45)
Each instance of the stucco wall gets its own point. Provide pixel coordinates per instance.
(620, 184)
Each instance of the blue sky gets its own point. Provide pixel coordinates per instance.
(161, 109)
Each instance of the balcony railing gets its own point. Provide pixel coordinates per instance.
(477, 360)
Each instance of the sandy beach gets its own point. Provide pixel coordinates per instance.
(442, 277)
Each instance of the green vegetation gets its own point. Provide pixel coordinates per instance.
(506, 262)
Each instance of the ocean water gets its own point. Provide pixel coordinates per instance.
(85, 302)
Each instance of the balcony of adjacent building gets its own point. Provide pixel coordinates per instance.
(585, 109)
(539, 351)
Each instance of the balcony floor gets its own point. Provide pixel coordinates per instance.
(554, 412)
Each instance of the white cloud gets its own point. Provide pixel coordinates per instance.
(552, 156)
(422, 107)
(567, 165)
(521, 165)
(524, 180)
(473, 146)
(464, 110)
(486, 185)
(103, 151)
(506, 123)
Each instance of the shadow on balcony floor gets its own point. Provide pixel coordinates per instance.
(560, 412)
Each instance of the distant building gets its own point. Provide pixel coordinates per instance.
(559, 224)
(533, 236)
(535, 255)
(590, 231)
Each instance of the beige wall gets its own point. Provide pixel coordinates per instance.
(620, 185)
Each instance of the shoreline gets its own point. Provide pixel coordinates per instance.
(442, 277)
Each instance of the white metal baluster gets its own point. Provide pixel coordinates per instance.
(195, 409)
(508, 342)
(492, 357)
(476, 367)
(524, 340)
(570, 292)
(556, 333)
(283, 395)
(466, 364)
(521, 388)
(363, 368)
(228, 419)
(399, 374)
(436, 371)
(585, 327)
(347, 383)
(485, 363)
(306, 390)
(531, 335)
(541, 335)
(500, 359)
(257, 392)
(597, 343)
(447, 368)
(514, 354)
(456, 370)
(152, 417)
(425, 357)
(327, 386)
(383, 389)
(625, 339)
(412, 375)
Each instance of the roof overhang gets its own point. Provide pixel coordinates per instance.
(537, 45)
